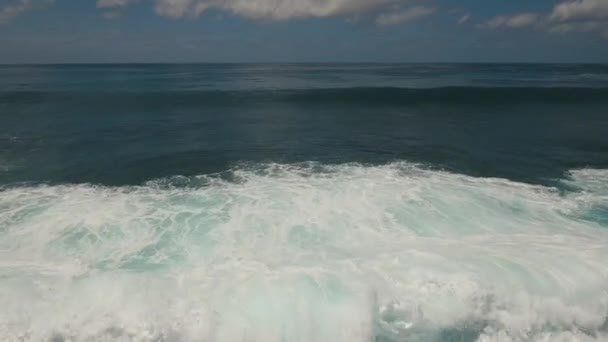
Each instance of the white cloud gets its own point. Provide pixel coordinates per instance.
(12, 9)
(580, 16)
(581, 10)
(399, 17)
(113, 8)
(516, 21)
(522, 20)
(567, 16)
(113, 3)
(495, 22)
(275, 9)
(177, 8)
(464, 19)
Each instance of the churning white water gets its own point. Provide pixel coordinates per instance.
(307, 253)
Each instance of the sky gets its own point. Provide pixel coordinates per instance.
(168, 31)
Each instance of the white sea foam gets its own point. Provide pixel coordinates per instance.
(306, 253)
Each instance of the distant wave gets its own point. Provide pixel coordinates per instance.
(362, 95)
(594, 76)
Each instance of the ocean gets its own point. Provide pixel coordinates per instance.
(304, 202)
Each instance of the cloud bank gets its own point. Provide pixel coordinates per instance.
(284, 9)
(275, 9)
(567, 16)
(270, 9)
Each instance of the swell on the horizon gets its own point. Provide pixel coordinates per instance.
(307, 252)
(357, 95)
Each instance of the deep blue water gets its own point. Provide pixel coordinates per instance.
(304, 202)
(125, 124)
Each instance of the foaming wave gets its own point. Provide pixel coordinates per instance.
(306, 253)
(592, 194)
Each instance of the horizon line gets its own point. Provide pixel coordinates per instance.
(294, 62)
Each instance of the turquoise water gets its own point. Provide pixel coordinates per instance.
(141, 203)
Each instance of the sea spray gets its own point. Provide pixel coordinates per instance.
(306, 252)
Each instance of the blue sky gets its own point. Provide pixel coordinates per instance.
(77, 31)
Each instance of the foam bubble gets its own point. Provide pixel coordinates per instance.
(306, 253)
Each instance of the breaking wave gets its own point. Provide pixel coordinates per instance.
(307, 252)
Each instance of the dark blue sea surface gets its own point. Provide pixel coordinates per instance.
(125, 124)
(304, 202)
